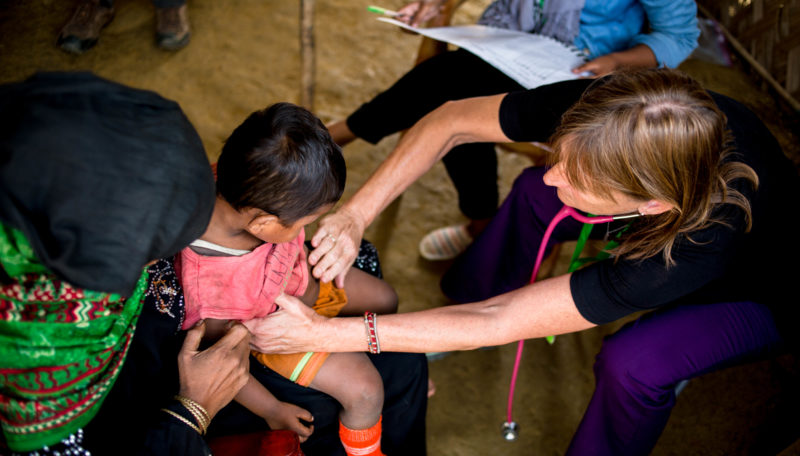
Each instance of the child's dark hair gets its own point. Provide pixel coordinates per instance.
(283, 161)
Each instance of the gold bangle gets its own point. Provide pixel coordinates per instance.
(198, 411)
(185, 400)
(180, 418)
(199, 416)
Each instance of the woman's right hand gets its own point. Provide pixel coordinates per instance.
(292, 329)
(213, 377)
(336, 244)
(418, 13)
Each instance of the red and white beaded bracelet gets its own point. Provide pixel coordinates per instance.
(371, 323)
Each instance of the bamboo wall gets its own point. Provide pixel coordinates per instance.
(769, 30)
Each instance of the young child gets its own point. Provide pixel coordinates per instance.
(278, 172)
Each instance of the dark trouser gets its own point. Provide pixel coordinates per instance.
(448, 76)
(405, 379)
(637, 368)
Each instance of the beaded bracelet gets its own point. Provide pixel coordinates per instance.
(198, 412)
(371, 324)
(180, 418)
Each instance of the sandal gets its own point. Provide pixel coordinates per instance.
(445, 243)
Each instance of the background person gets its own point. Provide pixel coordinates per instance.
(82, 30)
(613, 35)
(711, 187)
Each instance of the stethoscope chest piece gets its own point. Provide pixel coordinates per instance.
(510, 431)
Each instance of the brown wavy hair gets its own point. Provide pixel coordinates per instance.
(653, 134)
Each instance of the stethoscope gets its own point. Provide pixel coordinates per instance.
(510, 428)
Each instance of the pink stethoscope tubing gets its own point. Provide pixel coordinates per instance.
(561, 215)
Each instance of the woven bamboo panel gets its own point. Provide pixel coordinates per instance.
(769, 30)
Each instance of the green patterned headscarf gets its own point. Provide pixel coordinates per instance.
(96, 179)
(61, 347)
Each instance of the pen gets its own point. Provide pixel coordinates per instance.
(384, 11)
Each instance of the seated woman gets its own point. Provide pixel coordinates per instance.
(616, 34)
(96, 180)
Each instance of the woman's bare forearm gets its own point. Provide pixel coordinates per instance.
(538, 310)
(454, 123)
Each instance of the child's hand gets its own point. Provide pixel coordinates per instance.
(288, 416)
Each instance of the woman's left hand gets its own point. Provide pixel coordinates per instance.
(213, 377)
(600, 66)
(639, 56)
(291, 329)
(336, 245)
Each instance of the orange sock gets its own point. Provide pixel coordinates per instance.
(362, 442)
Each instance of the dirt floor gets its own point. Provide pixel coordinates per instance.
(244, 55)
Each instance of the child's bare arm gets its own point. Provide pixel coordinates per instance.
(279, 415)
(215, 329)
(364, 293)
(256, 398)
(368, 293)
(309, 298)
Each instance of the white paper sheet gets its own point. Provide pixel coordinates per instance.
(531, 60)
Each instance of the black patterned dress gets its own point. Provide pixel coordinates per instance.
(149, 380)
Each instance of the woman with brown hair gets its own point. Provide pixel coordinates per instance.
(708, 186)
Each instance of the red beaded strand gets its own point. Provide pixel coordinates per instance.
(371, 324)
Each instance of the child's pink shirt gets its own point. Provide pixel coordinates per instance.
(241, 287)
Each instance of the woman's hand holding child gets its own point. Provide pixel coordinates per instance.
(213, 377)
(286, 331)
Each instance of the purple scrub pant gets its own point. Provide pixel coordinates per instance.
(638, 367)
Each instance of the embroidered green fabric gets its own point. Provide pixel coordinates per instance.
(61, 347)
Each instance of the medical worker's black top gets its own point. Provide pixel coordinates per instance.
(724, 263)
